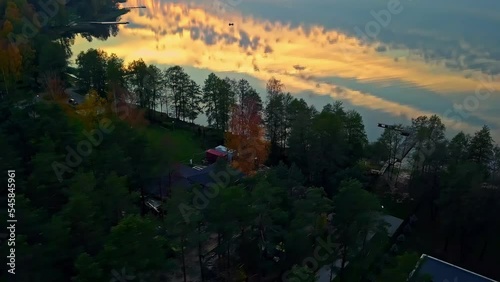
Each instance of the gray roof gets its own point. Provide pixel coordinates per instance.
(393, 222)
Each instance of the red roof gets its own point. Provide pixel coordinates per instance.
(216, 152)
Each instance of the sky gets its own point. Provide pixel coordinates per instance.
(390, 60)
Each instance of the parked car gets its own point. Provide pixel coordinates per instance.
(72, 102)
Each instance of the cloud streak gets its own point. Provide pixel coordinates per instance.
(186, 34)
(326, 51)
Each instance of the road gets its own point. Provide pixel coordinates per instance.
(73, 95)
(69, 91)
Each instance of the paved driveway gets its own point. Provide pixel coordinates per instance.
(73, 95)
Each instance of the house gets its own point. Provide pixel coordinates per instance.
(226, 150)
(440, 271)
(160, 187)
(213, 155)
(184, 177)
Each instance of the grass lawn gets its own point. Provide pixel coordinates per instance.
(183, 144)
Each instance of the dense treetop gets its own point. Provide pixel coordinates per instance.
(82, 171)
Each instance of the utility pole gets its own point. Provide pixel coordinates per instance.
(402, 148)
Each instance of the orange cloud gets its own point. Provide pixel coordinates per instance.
(324, 52)
(262, 48)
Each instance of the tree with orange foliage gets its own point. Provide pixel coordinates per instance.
(10, 57)
(93, 109)
(16, 53)
(54, 86)
(246, 136)
(125, 110)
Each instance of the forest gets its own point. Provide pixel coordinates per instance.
(316, 203)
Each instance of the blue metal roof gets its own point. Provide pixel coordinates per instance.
(166, 184)
(187, 171)
(442, 271)
(184, 177)
(204, 179)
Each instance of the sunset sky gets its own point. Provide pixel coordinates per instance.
(427, 57)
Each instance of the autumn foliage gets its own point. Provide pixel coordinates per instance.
(246, 136)
(12, 56)
(54, 86)
(95, 108)
(92, 109)
(126, 111)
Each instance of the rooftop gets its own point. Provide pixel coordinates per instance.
(186, 176)
(216, 152)
(442, 271)
(393, 224)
